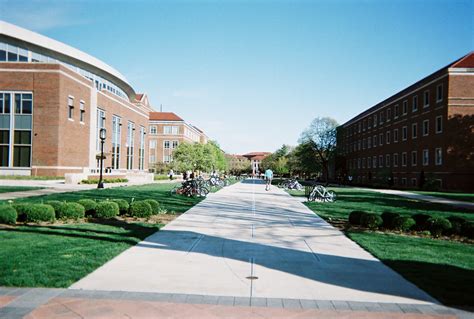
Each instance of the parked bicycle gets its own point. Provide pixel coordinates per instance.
(193, 187)
(320, 193)
(290, 184)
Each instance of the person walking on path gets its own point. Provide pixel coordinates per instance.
(171, 173)
(268, 178)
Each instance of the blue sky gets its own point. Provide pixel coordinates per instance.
(253, 74)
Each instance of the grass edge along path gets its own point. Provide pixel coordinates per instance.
(443, 268)
(59, 255)
(12, 189)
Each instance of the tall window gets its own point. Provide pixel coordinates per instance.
(70, 108)
(404, 159)
(171, 130)
(130, 144)
(426, 157)
(404, 133)
(413, 158)
(389, 114)
(395, 159)
(426, 98)
(426, 127)
(153, 129)
(152, 151)
(116, 138)
(100, 125)
(395, 111)
(375, 120)
(380, 161)
(395, 135)
(387, 137)
(387, 160)
(15, 129)
(439, 124)
(415, 104)
(438, 156)
(439, 93)
(83, 112)
(414, 130)
(175, 144)
(381, 139)
(166, 144)
(405, 107)
(141, 154)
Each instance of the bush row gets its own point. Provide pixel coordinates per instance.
(437, 226)
(52, 210)
(105, 180)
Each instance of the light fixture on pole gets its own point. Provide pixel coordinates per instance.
(102, 136)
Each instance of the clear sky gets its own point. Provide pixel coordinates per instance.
(253, 74)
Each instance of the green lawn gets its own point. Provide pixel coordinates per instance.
(160, 192)
(9, 189)
(350, 199)
(38, 178)
(467, 197)
(444, 269)
(57, 256)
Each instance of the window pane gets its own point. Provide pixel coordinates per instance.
(21, 156)
(27, 106)
(12, 57)
(6, 104)
(23, 122)
(4, 137)
(3, 156)
(17, 103)
(22, 137)
(4, 121)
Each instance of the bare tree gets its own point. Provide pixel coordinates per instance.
(321, 136)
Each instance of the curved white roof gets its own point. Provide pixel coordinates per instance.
(28, 36)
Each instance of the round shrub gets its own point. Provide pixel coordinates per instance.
(123, 205)
(56, 205)
(8, 214)
(421, 221)
(140, 208)
(21, 209)
(106, 209)
(89, 206)
(403, 223)
(438, 226)
(71, 211)
(388, 219)
(468, 230)
(39, 213)
(155, 206)
(355, 217)
(456, 224)
(371, 220)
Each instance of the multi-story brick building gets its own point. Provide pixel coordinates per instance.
(54, 100)
(255, 159)
(166, 131)
(421, 136)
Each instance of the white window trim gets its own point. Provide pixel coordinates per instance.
(438, 163)
(442, 93)
(425, 103)
(413, 131)
(428, 161)
(404, 136)
(416, 158)
(428, 127)
(436, 124)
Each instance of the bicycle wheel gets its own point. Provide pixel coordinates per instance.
(174, 191)
(331, 196)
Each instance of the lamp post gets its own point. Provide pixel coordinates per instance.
(102, 135)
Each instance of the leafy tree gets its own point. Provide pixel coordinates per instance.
(302, 160)
(321, 137)
(199, 157)
(238, 164)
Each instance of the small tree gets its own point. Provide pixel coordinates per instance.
(321, 137)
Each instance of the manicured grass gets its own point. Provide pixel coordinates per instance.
(57, 256)
(467, 197)
(159, 192)
(9, 189)
(444, 269)
(37, 178)
(350, 199)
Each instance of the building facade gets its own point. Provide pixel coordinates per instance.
(166, 131)
(421, 137)
(255, 159)
(55, 99)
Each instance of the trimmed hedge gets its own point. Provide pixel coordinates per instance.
(456, 224)
(403, 223)
(105, 180)
(107, 209)
(155, 206)
(56, 205)
(355, 217)
(123, 205)
(8, 214)
(140, 208)
(71, 211)
(438, 226)
(371, 220)
(421, 221)
(388, 219)
(21, 209)
(89, 206)
(39, 213)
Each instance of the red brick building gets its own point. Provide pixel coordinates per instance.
(255, 159)
(54, 99)
(423, 136)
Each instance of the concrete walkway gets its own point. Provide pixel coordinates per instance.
(247, 243)
(426, 198)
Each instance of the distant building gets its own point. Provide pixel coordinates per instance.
(423, 136)
(166, 131)
(255, 159)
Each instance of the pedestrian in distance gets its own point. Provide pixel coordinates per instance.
(171, 173)
(268, 179)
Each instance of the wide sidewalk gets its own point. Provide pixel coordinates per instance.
(241, 253)
(246, 242)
